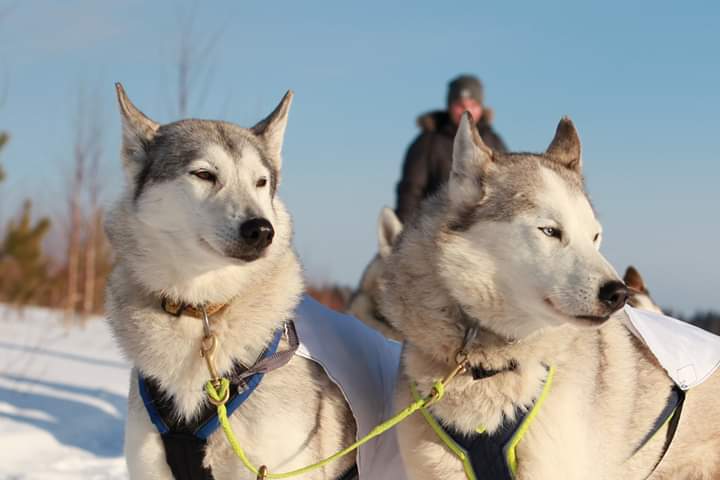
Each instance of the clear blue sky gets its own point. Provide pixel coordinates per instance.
(640, 79)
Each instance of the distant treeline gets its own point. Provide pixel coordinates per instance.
(75, 279)
(709, 320)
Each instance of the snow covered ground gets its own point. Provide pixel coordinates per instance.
(62, 398)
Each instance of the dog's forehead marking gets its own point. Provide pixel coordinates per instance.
(247, 160)
(508, 193)
(226, 140)
(246, 157)
(251, 158)
(563, 202)
(217, 156)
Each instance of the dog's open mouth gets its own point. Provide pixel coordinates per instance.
(590, 320)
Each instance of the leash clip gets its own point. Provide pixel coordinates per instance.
(207, 351)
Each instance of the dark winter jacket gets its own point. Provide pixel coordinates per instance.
(429, 158)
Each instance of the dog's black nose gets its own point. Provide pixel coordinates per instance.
(613, 295)
(257, 233)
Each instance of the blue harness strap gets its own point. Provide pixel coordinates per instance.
(492, 455)
(239, 397)
(185, 440)
(151, 406)
(485, 451)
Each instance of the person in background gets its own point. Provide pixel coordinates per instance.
(429, 157)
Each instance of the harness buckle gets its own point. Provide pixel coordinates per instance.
(262, 473)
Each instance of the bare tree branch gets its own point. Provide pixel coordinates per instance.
(85, 186)
(94, 221)
(77, 181)
(194, 68)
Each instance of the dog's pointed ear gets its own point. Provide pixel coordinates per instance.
(389, 228)
(471, 161)
(272, 129)
(138, 131)
(634, 280)
(565, 147)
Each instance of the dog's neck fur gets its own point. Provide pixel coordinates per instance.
(470, 403)
(144, 330)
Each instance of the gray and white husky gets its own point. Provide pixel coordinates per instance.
(509, 251)
(638, 293)
(364, 301)
(200, 223)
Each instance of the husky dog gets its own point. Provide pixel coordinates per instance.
(200, 223)
(503, 266)
(639, 296)
(364, 301)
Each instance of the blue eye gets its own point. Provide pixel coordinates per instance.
(551, 232)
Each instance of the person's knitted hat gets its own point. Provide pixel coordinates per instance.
(465, 86)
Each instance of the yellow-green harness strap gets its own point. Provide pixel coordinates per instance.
(436, 394)
(449, 442)
(511, 453)
(509, 450)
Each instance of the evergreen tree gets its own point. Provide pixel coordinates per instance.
(23, 266)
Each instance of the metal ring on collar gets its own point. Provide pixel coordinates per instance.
(206, 321)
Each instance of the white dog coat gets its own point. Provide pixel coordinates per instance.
(689, 354)
(364, 365)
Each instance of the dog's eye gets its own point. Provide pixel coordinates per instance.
(204, 175)
(552, 232)
(595, 239)
(261, 182)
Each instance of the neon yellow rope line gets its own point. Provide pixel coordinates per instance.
(217, 395)
(449, 442)
(525, 425)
